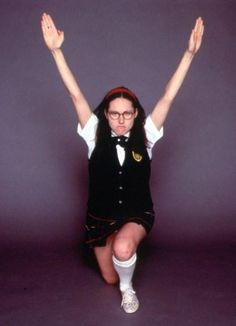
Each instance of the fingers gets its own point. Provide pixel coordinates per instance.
(195, 39)
(44, 26)
(44, 23)
(50, 22)
(198, 30)
(47, 23)
(199, 27)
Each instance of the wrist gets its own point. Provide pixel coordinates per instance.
(55, 51)
(189, 54)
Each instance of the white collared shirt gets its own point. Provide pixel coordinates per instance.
(88, 133)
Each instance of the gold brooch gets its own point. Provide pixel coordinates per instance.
(137, 157)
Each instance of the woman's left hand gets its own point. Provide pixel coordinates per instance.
(195, 39)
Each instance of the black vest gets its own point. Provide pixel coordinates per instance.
(115, 190)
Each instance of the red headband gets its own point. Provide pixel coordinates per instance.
(121, 90)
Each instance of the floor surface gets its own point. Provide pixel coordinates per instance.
(175, 287)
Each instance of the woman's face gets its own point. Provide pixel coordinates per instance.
(121, 115)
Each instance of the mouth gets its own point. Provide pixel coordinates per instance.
(120, 130)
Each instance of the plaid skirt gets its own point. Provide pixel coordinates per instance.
(98, 229)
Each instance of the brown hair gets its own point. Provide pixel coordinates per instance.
(137, 134)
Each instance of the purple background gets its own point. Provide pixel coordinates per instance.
(43, 163)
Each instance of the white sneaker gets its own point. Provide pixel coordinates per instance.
(130, 301)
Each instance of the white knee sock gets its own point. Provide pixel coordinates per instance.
(125, 270)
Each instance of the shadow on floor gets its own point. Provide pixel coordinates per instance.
(175, 287)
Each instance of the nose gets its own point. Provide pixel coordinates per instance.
(121, 118)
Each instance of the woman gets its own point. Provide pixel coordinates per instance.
(120, 140)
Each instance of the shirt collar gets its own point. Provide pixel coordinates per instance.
(113, 134)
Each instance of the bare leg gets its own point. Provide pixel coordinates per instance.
(125, 245)
(117, 261)
(104, 259)
(127, 240)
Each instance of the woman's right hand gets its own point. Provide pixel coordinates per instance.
(52, 37)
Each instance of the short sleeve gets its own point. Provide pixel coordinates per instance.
(88, 132)
(152, 133)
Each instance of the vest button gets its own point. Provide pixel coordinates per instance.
(120, 201)
(121, 188)
(120, 172)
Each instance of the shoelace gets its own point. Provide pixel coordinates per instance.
(128, 297)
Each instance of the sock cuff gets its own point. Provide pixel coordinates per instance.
(126, 263)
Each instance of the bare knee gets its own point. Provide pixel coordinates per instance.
(124, 248)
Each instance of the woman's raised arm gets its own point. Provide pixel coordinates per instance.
(54, 39)
(162, 107)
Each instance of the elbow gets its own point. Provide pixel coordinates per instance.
(75, 96)
(168, 98)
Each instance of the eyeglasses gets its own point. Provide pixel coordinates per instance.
(114, 115)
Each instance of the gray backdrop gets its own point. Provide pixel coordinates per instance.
(136, 43)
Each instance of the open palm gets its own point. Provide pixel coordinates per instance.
(52, 37)
(195, 40)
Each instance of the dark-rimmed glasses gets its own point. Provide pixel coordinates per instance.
(114, 115)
